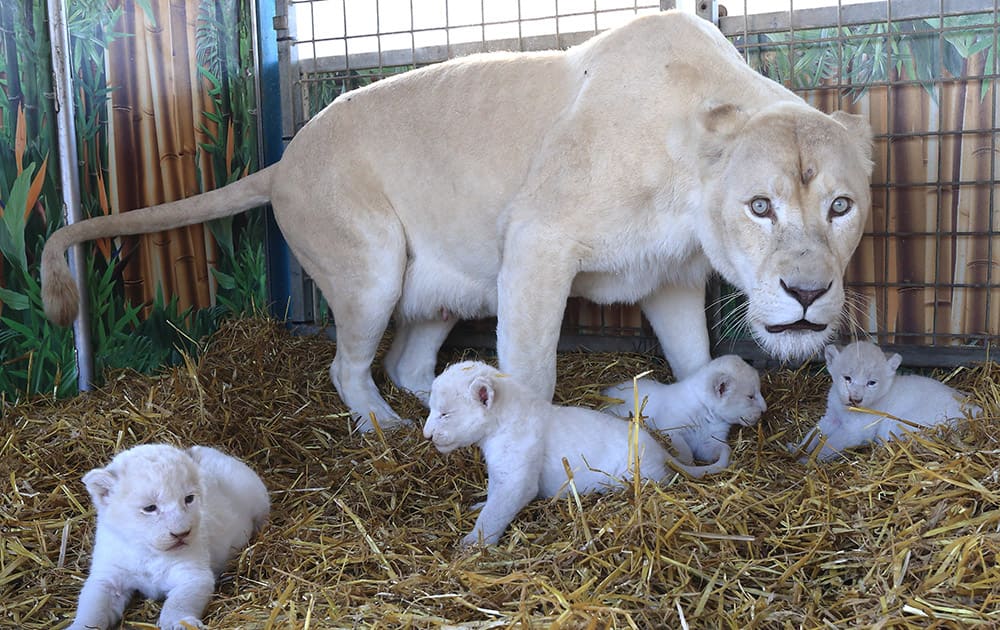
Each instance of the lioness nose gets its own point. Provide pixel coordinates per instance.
(803, 296)
(182, 535)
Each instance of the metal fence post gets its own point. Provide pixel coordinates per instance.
(69, 176)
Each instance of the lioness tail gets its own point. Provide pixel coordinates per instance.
(59, 292)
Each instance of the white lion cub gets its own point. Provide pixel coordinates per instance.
(697, 412)
(863, 376)
(168, 521)
(525, 438)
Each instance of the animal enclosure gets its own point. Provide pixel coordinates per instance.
(365, 527)
(924, 280)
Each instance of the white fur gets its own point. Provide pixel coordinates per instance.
(524, 439)
(620, 170)
(863, 376)
(168, 522)
(698, 411)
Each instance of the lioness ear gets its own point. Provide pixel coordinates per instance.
(725, 119)
(481, 389)
(100, 482)
(859, 128)
(894, 361)
(720, 123)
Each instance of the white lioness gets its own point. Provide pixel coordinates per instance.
(622, 170)
(525, 438)
(863, 376)
(168, 521)
(697, 412)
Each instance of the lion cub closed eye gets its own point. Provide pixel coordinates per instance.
(168, 522)
(524, 439)
(864, 376)
(697, 412)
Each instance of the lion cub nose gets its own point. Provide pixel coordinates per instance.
(854, 401)
(804, 296)
(181, 535)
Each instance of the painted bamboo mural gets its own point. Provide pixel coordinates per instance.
(34, 356)
(172, 81)
(928, 247)
(163, 114)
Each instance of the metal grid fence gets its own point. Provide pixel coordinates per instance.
(923, 280)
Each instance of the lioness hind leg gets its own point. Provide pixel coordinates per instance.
(358, 335)
(350, 373)
(362, 302)
(412, 357)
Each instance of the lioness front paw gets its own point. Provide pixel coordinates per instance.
(365, 424)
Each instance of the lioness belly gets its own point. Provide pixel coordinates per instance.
(632, 285)
(433, 288)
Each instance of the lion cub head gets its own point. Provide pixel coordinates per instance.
(150, 495)
(862, 373)
(788, 197)
(735, 394)
(461, 406)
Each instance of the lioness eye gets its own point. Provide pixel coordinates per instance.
(189, 499)
(149, 509)
(840, 206)
(761, 206)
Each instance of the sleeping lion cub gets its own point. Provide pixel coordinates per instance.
(525, 441)
(168, 521)
(696, 413)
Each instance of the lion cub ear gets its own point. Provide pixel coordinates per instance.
(100, 483)
(830, 353)
(721, 384)
(481, 390)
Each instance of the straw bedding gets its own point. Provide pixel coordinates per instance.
(364, 528)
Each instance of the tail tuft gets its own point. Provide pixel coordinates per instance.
(59, 293)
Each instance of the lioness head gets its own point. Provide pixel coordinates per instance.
(150, 495)
(787, 197)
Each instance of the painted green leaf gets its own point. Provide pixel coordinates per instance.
(225, 280)
(14, 300)
(12, 223)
